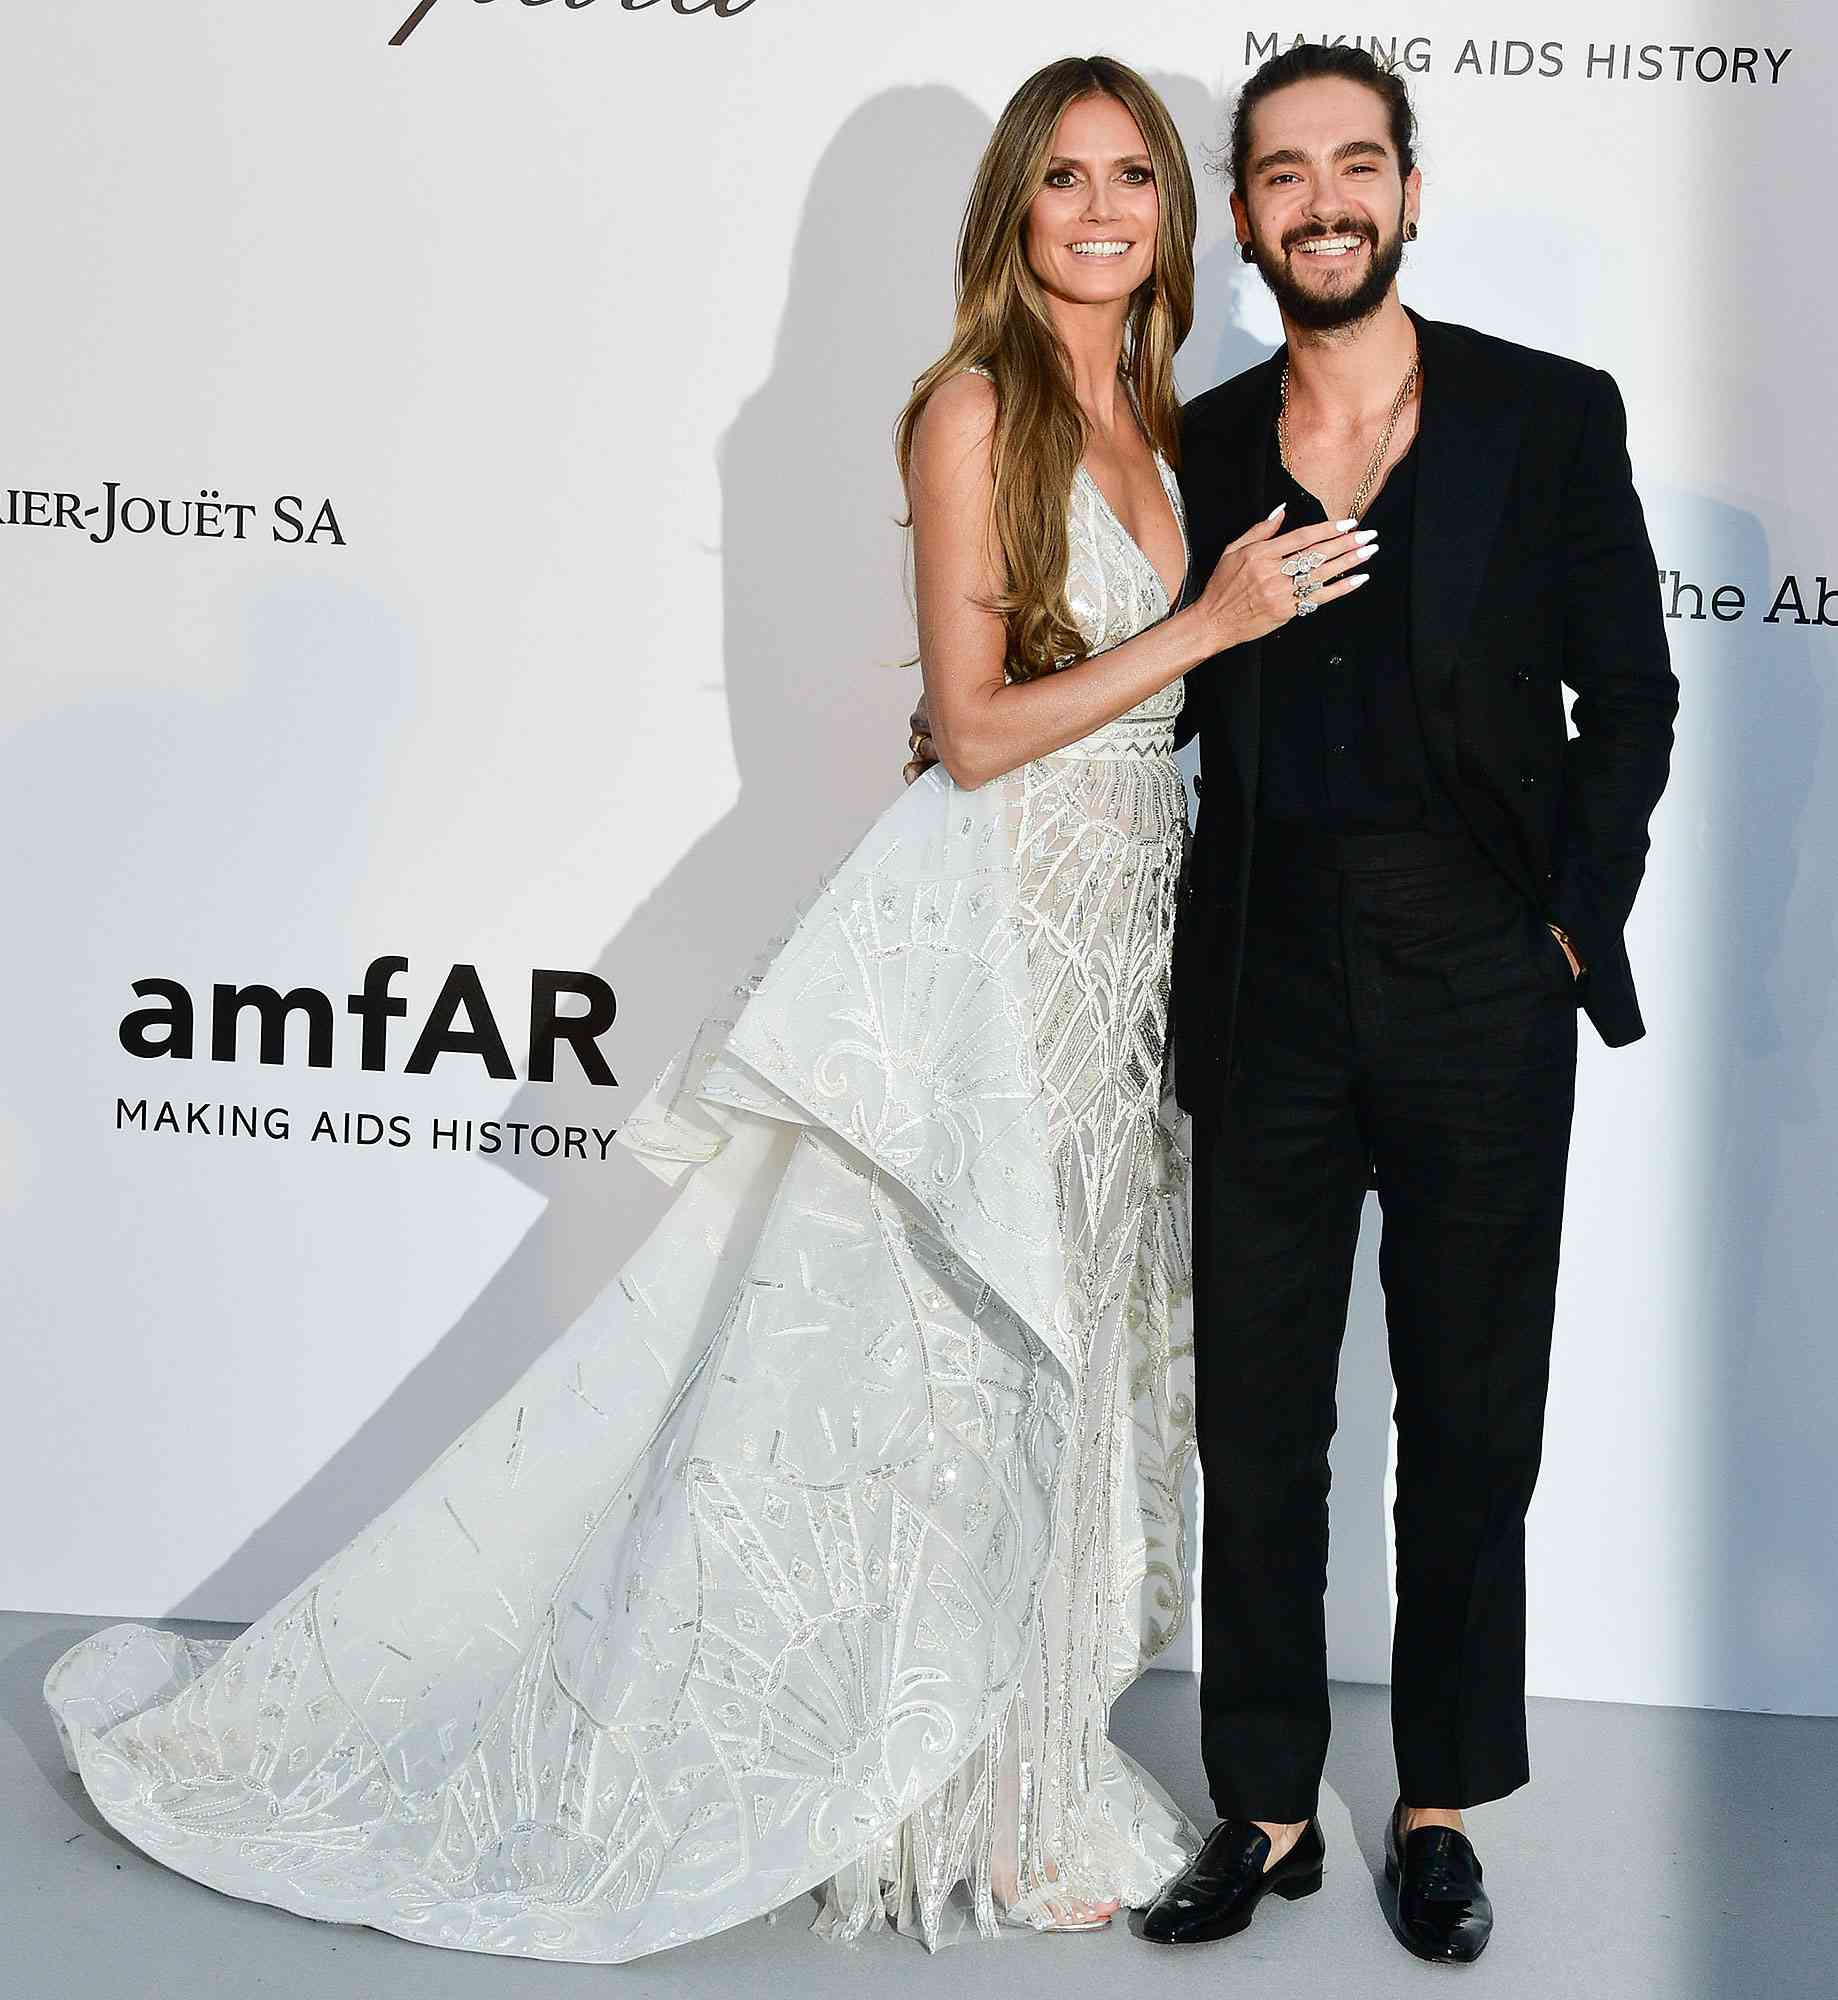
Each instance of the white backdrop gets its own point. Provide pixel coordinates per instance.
(588, 324)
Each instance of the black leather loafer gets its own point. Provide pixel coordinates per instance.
(1439, 1909)
(1218, 1892)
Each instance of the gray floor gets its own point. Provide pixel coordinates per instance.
(1659, 1853)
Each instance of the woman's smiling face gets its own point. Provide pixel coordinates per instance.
(1091, 229)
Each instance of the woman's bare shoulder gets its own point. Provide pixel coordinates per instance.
(956, 423)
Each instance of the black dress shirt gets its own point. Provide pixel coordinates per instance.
(1534, 580)
(1342, 744)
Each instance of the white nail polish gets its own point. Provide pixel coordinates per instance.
(1366, 535)
(1341, 527)
(1276, 510)
(1364, 576)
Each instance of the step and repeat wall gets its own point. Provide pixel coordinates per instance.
(453, 610)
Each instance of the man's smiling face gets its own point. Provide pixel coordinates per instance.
(1322, 204)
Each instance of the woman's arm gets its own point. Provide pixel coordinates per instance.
(981, 725)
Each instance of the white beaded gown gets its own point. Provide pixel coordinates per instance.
(812, 1556)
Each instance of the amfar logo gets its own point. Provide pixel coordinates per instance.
(723, 10)
(170, 1028)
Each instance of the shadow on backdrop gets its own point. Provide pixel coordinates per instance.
(811, 565)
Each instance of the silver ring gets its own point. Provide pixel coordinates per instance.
(1304, 605)
(1300, 565)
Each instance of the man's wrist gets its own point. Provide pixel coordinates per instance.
(1577, 967)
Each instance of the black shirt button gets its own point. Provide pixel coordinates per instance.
(1335, 660)
(1526, 782)
(1522, 675)
(1339, 749)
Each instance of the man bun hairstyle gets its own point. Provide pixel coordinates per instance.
(1308, 60)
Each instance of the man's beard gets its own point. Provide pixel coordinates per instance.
(1318, 312)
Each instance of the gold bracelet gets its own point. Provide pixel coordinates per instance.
(1563, 937)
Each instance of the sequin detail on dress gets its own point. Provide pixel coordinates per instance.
(812, 1555)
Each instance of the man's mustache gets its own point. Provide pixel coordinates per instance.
(1367, 231)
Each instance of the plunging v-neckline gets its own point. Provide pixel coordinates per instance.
(1169, 597)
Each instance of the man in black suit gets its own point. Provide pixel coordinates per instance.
(1406, 877)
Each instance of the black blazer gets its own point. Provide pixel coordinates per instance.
(1531, 571)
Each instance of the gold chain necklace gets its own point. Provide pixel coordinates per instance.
(1384, 444)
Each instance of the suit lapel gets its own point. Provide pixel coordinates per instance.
(1466, 444)
(1237, 462)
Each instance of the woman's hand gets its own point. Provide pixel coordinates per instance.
(919, 742)
(1248, 593)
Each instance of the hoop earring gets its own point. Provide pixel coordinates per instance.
(1247, 253)
(1410, 232)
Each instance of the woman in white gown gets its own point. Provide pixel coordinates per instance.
(812, 1556)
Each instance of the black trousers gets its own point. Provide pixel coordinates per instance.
(1406, 1022)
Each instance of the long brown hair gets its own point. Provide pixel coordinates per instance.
(1004, 325)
